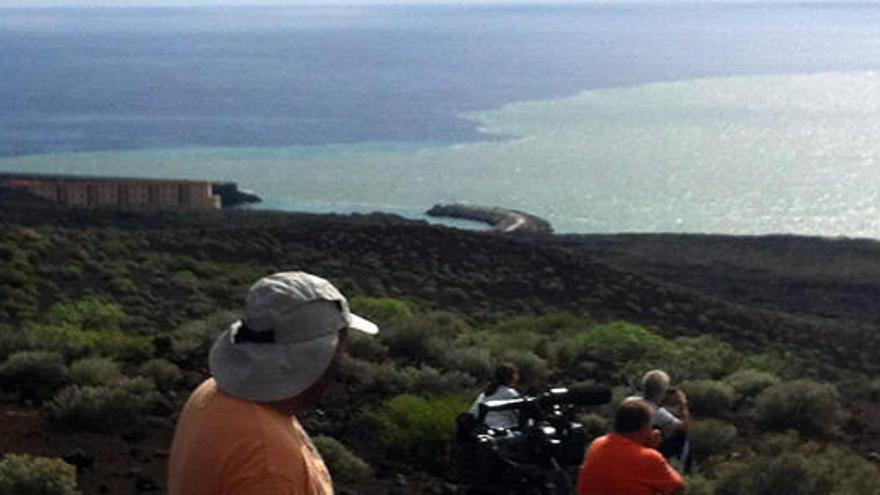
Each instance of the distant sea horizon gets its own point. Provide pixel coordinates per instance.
(741, 119)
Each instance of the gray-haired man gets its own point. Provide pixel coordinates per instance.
(673, 423)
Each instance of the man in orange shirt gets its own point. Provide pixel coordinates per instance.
(238, 433)
(626, 462)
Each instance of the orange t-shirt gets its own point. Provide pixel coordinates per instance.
(224, 445)
(616, 465)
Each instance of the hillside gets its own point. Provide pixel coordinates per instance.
(798, 305)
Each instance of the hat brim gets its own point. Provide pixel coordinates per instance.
(265, 373)
(363, 325)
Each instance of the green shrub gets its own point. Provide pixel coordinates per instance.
(22, 474)
(34, 374)
(165, 374)
(425, 338)
(381, 309)
(386, 378)
(95, 371)
(699, 485)
(344, 465)
(426, 380)
(417, 429)
(365, 377)
(74, 342)
(787, 473)
(711, 437)
(802, 405)
(474, 361)
(620, 342)
(90, 313)
(11, 340)
(192, 341)
(365, 347)
(750, 382)
(552, 324)
(786, 365)
(532, 368)
(704, 357)
(103, 408)
(709, 397)
(595, 425)
(874, 390)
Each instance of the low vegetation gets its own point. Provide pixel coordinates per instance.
(26, 474)
(106, 330)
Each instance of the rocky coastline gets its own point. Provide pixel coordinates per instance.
(500, 220)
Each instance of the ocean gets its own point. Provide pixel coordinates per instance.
(724, 118)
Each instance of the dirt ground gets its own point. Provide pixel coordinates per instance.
(121, 464)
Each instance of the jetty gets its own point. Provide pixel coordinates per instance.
(501, 220)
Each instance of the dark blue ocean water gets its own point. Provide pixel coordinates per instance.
(126, 78)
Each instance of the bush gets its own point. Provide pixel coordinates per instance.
(620, 342)
(103, 408)
(381, 309)
(595, 425)
(704, 357)
(344, 465)
(474, 361)
(365, 347)
(532, 369)
(11, 341)
(74, 342)
(551, 325)
(709, 397)
(803, 405)
(89, 313)
(787, 473)
(386, 378)
(165, 374)
(711, 437)
(95, 371)
(417, 429)
(29, 475)
(699, 485)
(34, 374)
(874, 390)
(750, 382)
(425, 338)
(426, 380)
(192, 341)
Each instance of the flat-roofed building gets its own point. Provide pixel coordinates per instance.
(126, 194)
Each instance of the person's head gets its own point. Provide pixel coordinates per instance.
(505, 374)
(284, 349)
(654, 385)
(633, 419)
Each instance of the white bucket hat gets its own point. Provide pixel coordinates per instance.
(286, 340)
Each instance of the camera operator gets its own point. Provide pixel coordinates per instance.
(500, 388)
(625, 462)
(670, 415)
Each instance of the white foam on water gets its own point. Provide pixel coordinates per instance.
(744, 155)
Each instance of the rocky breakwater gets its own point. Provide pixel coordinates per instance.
(231, 195)
(501, 220)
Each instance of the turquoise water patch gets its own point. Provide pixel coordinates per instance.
(742, 155)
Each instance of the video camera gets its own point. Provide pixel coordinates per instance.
(540, 455)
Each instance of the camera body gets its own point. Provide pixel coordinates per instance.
(540, 455)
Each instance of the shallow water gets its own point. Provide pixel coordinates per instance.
(745, 155)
